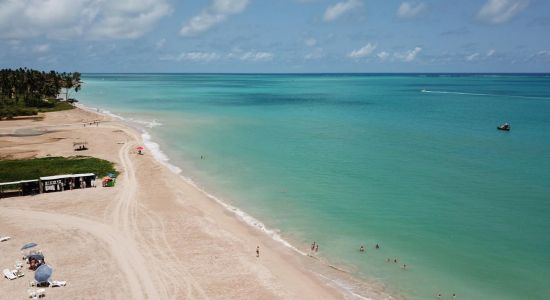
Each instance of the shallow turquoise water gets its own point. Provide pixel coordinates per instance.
(347, 160)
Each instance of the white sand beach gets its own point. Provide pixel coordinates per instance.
(152, 236)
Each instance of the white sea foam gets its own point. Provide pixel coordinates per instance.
(157, 153)
(148, 124)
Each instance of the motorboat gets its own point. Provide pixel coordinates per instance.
(505, 127)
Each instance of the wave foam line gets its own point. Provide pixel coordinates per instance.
(479, 94)
(246, 218)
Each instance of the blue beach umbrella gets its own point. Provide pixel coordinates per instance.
(43, 273)
(29, 245)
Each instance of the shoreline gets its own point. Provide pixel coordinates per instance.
(247, 220)
(282, 274)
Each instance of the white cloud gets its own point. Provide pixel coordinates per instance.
(490, 53)
(128, 18)
(408, 56)
(198, 56)
(383, 55)
(256, 56)
(96, 19)
(472, 57)
(410, 9)
(363, 52)
(216, 13)
(337, 10)
(41, 48)
(310, 42)
(500, 11)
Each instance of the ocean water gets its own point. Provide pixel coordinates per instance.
(412, 162)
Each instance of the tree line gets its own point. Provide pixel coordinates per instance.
(25, 91)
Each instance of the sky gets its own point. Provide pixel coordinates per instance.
(276, 36)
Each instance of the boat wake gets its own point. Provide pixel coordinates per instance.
(481, 94)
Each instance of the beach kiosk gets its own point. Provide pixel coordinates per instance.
(67, 182)
(56, 183)
(82, 181)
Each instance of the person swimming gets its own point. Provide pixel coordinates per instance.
(377, 246)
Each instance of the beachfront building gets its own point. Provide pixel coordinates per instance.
(60, 183)
(47, 184)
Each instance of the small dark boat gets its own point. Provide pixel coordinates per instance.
(505, 127)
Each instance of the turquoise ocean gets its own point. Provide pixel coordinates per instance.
(413, 162)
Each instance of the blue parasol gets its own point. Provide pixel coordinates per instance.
(43, 273)
(29, 245)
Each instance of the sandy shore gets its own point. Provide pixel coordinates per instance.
(153, 236)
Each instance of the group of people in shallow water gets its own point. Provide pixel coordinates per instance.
(314, 247)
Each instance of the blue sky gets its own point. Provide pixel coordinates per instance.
(276, 35)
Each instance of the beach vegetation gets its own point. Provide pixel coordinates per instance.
(26, 169)
(26, 92)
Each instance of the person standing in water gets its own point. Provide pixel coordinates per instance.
(377, 246)
(361, 249)
(313, 246)
(317, 248)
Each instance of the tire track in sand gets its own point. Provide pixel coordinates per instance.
(125, 217)
(124, 250)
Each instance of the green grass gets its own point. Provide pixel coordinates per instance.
(11, 109)
(23, 169)
(58, 105)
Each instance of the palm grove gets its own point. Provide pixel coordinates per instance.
(25, 92)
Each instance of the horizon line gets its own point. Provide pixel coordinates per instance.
(330, 73)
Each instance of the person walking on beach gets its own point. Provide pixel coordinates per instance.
(257, 251)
